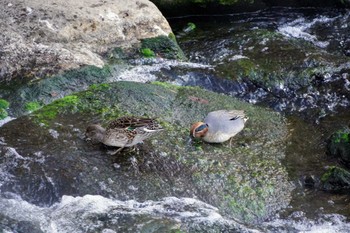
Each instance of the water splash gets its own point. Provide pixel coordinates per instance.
(298, 222)
(94, 213)
(145, 70)
(6, 120)
(301, 29)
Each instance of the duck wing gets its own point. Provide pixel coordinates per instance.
(225, 121)
(224, 115)
(132, 123)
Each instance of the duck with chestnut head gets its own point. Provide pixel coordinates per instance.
(219, 126)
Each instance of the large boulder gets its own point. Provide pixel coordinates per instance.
(40, 38)
(245, 181)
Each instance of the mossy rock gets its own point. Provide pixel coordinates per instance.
(339, 145)
(3, 106)
(3, 113)
(245, 180)
(162, 46)
(27, 97)
(336, 179)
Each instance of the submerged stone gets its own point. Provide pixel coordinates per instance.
(245, 181)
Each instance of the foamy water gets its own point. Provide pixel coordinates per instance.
(300, 28)
(297, 222)
(80, 214)
(144, 70)
(6, 120)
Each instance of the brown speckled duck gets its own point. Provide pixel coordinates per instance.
(123, 132)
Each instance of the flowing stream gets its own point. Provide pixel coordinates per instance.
(313, 112)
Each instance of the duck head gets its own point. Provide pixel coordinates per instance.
(94, 133)
(199, 129)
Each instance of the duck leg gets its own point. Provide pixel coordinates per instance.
(113, 152)
(231, 142)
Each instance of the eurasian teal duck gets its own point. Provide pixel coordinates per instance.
(219, 126)
(123, 132)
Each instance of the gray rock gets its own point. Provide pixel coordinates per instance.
(41, 38)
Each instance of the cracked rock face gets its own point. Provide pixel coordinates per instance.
(40, 38)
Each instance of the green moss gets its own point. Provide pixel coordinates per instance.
(99, 87)
(116, 56)
(4, 104)
(147, 52)
(32, 106)
(163, 46)
(49, 112)
(189, 27)
(336, 178)
(328, 173)
(172, 36)
(87, 73)
(247, 67)
(166, 85)
(69, 100)
(3, 113)
(339, 144)
(332, 172)
(340, 136)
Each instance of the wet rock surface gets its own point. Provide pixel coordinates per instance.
(46, 156)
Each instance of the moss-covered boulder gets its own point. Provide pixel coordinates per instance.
(245, 181)
(339, 145)
(26, 97)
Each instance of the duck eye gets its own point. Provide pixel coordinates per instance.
(200, 128)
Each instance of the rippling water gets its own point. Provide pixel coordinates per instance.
(286, 44)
